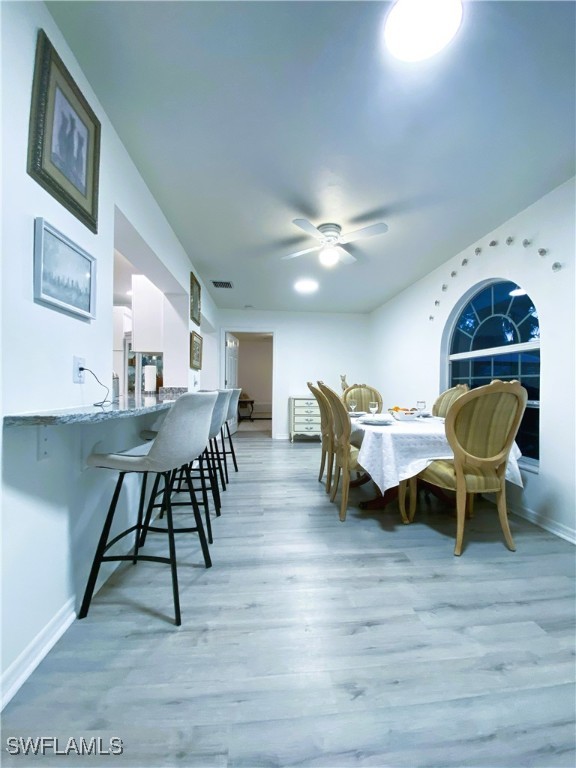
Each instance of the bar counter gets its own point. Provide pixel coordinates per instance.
(123, 408)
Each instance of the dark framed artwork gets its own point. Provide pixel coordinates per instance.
(64, 273)
(194, 299)
(64, 137)
(195, 351)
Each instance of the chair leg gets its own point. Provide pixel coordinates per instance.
(231, 444)
(149, 511)
(140, 515)
(322, 464)
(402, 486)
(503, 515)
(217, 461)
(168, 478)
(345, 489)
(329, 471)
(337, 473)
(100, 549)
(214, 487)
(460, 516)
(413, 491)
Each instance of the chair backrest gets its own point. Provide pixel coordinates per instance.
(482, 423)
(184, 433)
(446, 398)
(340, 418)
(326, 419)
(233, 404)
(363, 394)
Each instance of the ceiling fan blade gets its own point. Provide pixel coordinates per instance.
(300, 253)
(358, 234)
(345, 257)
(307, 226)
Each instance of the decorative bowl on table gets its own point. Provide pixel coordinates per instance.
(403, 414)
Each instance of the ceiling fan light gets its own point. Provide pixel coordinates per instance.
(418, 29)
(328, 256)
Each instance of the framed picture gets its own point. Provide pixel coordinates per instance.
(194, 299)
(64, 274)
(195, 351)
(64, 137)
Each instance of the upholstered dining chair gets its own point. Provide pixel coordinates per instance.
(446, 398)
(363, 394)
(345, 454)
(327, 434)
(182, 435)
(480, 426)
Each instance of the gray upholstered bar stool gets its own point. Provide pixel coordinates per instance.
(232, 413)
(183, 435)
(218, 418)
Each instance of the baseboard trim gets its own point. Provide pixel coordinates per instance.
(558, 529)
(23, 666)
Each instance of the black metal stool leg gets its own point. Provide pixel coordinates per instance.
(217, 461)
(225, 460)
(231, 444)
(150, 509)
(140, 515)
(169, 478)
(214, 487)
(100, 549)
(198, 520)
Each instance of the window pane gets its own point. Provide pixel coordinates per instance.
(497, 331)
(532, 384)
(529, 329)
(502, 298)
(482, 366)
(530, 362)
(521, 307)
(527, 437)
(506, 365)
(460, 342)
(468, 320)
(460, 371)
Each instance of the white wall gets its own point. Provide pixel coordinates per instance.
(407, 345)
(307, 346)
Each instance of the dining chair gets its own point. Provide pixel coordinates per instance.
(363, 394)
(327, 435)
(446, 398)
(480, 426)
(182, 435)
(345, 454)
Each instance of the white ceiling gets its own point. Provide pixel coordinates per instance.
(242, 116)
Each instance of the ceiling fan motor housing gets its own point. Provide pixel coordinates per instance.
(330, 233)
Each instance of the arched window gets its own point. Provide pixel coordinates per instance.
(497, 336)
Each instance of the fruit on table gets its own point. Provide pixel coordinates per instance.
(407, 410)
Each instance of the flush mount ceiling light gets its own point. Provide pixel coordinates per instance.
(329, 256)
(517, 292)
(418, 29)
(306, 286)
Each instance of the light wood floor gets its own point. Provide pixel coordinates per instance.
(318, 643)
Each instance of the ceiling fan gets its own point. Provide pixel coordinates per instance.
(331, 241)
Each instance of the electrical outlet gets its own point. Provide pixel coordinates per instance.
(77, 374)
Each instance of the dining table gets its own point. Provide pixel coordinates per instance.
(391, 451)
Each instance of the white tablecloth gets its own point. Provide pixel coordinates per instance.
(398, 451)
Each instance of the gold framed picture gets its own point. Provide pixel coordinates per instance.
(64, 137)
(195, 351)
(194, 299)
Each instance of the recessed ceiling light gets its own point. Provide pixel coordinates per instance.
(306, 286)
(418, 29)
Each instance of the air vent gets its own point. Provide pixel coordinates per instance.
(222, 284)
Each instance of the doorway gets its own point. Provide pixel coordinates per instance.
(250, 355)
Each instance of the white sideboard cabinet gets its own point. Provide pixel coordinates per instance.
(304, 417)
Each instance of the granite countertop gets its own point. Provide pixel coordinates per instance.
(120, 409)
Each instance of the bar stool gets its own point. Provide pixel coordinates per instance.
(219, 416)
(232, 413)
(183, 434)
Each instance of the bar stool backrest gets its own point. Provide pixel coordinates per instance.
(220, 411)
(184, 433)
(233, 404)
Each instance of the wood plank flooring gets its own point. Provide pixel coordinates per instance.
(317, 643)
